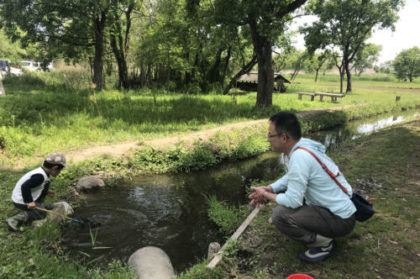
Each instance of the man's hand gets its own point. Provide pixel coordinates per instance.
(257, 197)
(51, 193)
(31, 205)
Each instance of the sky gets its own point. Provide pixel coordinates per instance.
(406, 35)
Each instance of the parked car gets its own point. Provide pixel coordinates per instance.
(15, 69)
(7, 67)
(30, 66)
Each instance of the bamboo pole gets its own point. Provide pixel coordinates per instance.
(53, 212)
(216, 259)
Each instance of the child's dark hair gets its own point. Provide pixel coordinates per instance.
(50, 166)
(286, 121)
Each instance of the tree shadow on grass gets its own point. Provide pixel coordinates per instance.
(56, 108)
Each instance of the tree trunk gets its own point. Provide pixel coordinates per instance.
(411, 71)
(119, 46)
(341, 73)
(245, 69)
(340, 67)
(341, 80)
(142, 76)
(226, 65)
(265, 76)
(149, 75)
(316, 75)
(98, 64)
(213, 75)
(121, 62)
(263, 51)
(348, 73)
(295, 71)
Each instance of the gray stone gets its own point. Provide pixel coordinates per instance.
(58, 213)
(151, 263)
(214, 247)
(62, 208)
(89, 183)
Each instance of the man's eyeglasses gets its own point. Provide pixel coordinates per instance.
(272, 136)
(269, 136)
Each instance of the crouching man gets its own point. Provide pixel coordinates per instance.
(312, 208)
(31, 190)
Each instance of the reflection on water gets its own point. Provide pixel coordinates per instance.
(332, 138)
(380, 124)
(170, 211)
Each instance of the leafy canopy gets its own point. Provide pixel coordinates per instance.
(407, 64)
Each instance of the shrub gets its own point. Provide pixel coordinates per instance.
(200, 158)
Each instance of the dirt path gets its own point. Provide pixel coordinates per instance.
(119, 149)
(388, 89)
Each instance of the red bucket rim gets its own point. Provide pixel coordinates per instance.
(299, 276)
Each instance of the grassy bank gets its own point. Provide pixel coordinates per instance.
(385, 165)
(43, 112)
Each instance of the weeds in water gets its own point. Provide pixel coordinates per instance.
(228, 218)
(93, 236)
(84, 254)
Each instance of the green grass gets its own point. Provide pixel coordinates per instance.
(386, 246)
(47, 112)
(44, 112)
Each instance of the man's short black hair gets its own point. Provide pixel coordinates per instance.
(50, 166)
(286, 121)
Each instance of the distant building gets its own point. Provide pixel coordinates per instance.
(249, 82)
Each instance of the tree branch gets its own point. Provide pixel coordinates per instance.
(290, 8)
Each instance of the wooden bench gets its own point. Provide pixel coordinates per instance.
(312, 94)
(333, 96)
(321, 95)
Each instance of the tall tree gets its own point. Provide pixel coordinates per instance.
(121, 15)
(365, 58)
(298, 61)
(347, 24)
(323, 60)
(266, 20)
(407, 64)
(182, 46)
(72, 28)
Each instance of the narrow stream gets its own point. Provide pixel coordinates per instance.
(170, 211)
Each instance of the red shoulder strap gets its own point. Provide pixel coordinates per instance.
(326, 169)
